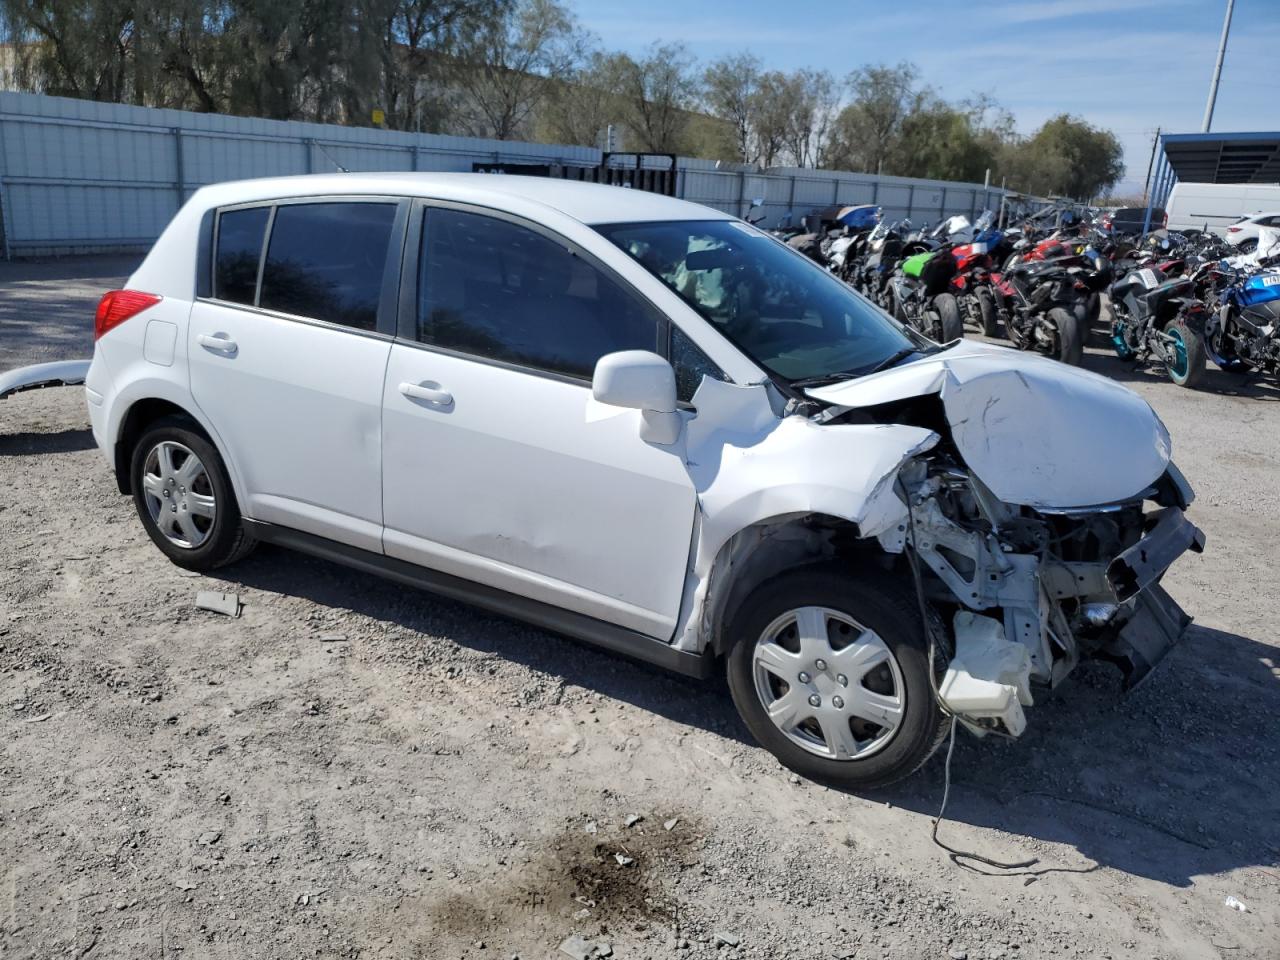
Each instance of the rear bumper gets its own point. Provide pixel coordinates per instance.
(57, 374)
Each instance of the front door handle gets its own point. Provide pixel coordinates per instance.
(427, 391)
(218, 343)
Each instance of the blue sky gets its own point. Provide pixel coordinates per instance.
(1127, 65)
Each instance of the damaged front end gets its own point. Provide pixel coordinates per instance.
(1032, 591)
(1041, 522)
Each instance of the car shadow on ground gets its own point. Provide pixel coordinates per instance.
(26, 443)
(1173, 780)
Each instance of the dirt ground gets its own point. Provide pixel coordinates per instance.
(355, 769)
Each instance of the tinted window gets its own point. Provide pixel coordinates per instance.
(690, 364)
(327, 260)
(497, 290)
(240, 234)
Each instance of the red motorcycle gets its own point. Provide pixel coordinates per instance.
(972, 287)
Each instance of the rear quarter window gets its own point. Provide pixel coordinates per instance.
(239, 250)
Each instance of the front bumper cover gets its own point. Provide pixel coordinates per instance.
(1145, 562)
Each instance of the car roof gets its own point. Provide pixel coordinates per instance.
(589, 203)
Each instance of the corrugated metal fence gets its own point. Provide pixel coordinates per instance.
(80, 176)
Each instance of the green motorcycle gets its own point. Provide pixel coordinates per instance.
(921, 299)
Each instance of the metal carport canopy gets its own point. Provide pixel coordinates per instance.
(1223, 157)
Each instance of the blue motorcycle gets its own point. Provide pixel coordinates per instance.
(1243, 334)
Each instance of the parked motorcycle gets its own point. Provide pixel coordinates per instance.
(971, 284)
(1243, 332)
(1042, 302)
(1160, 318)
(921, 298)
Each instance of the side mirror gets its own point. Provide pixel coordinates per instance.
(644, 381)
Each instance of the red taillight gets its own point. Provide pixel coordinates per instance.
(117, 306)
(1234, 229)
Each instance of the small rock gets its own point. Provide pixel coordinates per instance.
(227, 604)
(632, 820)
(577, 947)
(209, 838)
(1029, 881)
(185, 885)
(727, 939)
(794, 778)
(591, 826)
(224, 798)
(670, 825)
(333, 638)
(1235, 904)
(623, 859)
(956, 954)
(846, 953)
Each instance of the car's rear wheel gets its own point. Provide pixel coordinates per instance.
(829, 671)
(184, 496)
(1247, 246)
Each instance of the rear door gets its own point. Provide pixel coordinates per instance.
(288, 356)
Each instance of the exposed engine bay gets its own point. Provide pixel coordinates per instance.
(1031, 591)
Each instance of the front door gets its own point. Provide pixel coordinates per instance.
(497, 464)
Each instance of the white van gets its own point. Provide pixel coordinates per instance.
(1216, 205)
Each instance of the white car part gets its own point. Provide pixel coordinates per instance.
(56, 374)
(1028, 426)
(749, 466)
(989, 679)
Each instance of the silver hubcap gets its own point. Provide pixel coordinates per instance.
(179, 494)
(831, 686)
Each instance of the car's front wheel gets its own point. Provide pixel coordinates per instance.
(829, 671)
(184, 496)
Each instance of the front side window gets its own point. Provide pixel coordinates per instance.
(326, 261)
(781, 309)
(494, 289)
(240, 233)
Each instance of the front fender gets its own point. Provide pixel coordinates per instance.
(749, 466)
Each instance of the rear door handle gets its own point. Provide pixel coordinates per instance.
(427, 391)
(218, 343)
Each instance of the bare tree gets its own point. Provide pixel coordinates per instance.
(510, 65)
(730, 87)
(658, 91)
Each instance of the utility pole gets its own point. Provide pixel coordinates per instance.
(1217, 68)
(1146, 184)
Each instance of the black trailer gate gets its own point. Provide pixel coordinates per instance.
(637, 171)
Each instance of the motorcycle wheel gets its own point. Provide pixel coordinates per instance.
(1222, 353)
(950, 326)
(1070, 343)
(1120, 341)
(987, 317)
(1186, 366)
(898, 308)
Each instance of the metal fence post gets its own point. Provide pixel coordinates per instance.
(179, 178)
(308, 162)
(414, 164)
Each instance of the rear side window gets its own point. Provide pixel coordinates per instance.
(326, 261)
(240, 233)
(493, 289)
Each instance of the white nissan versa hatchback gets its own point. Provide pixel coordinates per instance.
(648, 425)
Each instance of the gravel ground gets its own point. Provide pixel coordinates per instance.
(351, 768)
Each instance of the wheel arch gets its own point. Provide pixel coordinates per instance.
(767, 548)
(145, 410)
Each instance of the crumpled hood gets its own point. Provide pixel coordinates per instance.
(1035, 431)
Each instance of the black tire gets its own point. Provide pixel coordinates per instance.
(988, 316)
(226, 539)
(1070, 340)
(949, 320)
(877, 603)
(1247, 246)
(1196, 355)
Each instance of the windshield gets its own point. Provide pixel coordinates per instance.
(779, 307)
